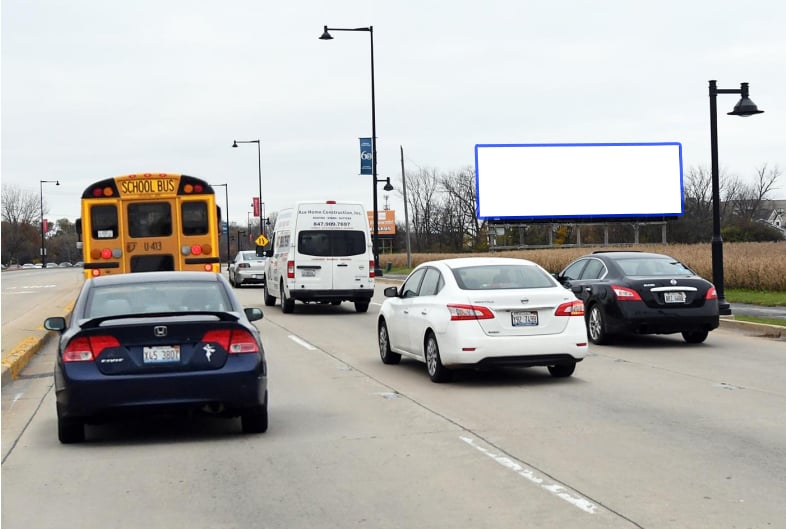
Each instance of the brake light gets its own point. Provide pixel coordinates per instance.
(290, 269)
(570, 308)
(371, 270)
(711, 293)
(87, 348)
(625, 294)
(244, 265)
(233, 341)
(469, 312)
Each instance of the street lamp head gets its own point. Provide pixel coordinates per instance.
(234, 144)
(745, 107)
(57, 182)
(326, 35)
(388, 186)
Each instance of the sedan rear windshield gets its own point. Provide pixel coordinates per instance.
(145, 298)
(653, 267)
(502, 277)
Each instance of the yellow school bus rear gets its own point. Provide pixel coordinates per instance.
(149, 222)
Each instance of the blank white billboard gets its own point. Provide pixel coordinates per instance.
(579, 180)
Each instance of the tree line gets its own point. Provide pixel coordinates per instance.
(442, 211)
(442, 214)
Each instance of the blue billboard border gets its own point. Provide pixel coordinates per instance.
(582, 218)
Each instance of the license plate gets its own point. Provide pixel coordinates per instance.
(527, 318)
(258, 276)
(308, 273)
(161, 354)
(674, 297)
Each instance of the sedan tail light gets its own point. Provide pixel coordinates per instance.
(469, 312)
(244, 265)
(570, 308)
(87, 348)
(711, 293)
(625, 294)
(234, 341)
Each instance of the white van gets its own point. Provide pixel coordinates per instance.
(321, 253)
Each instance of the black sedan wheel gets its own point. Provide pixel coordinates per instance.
(255, 420)
(695, 336)
(69, 430)
(437, 371)
(388, 356)
(596, 326)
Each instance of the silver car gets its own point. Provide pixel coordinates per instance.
(247, 268)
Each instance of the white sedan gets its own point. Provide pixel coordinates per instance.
(482, 311)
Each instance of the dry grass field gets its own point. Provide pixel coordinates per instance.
(749, 265)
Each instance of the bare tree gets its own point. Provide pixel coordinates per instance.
(421, 199)
(749, 200)
(20, 210)
(461, 199)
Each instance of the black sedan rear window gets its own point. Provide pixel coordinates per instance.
(114, 300)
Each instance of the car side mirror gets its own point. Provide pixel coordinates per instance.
(56, 323)
(391, 292)
(253, 313)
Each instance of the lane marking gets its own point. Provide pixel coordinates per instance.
(522, 470)
(301, 342)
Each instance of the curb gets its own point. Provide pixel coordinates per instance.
(762, 330)
(15, 361)
(19, 357)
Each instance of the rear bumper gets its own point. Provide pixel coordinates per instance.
(248, 277)
(307, 296)
(636, 317)
(543, 350)
(82, 391)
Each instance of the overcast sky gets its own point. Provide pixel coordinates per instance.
(93, 88)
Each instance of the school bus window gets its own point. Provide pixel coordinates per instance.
(149, 219)
(194, 215)
(103, 222)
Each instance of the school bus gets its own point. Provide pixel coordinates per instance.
(149, 222)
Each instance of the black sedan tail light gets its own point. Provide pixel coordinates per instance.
(233, 341)
(87, 348)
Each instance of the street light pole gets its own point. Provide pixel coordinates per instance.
(259, 161)
(375, 238)
(43, 239)
(744, 107)
(226, 194)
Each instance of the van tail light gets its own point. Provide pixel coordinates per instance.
(469, 312)
(233, 341)
(625, 294)
(570, 308)
(87, 348)
(371, 270)
(711, 294)
(290, 269)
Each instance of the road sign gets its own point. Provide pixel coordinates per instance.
(261, 240)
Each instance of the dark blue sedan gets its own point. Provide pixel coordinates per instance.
(158, 342)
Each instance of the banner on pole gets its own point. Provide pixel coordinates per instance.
(366, 156)
(256, 206)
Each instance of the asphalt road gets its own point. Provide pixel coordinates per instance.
(649, 433)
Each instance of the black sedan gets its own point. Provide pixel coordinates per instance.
(158, 342)
(641, 293)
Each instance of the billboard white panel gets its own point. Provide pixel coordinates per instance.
(582, 181)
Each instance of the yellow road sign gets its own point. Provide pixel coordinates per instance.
(261, 241)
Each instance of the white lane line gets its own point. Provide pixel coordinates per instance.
(301, 342)
(519, 468)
